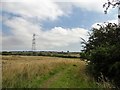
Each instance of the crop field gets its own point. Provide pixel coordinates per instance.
(45, 72)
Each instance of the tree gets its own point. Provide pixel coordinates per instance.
(103, 51)
(113, 3)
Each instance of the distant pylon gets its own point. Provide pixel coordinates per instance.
(33, 43)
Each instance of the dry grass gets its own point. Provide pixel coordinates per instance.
(26, 68)
(30, 71)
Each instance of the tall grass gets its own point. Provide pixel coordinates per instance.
(34, 71)
(20, 71)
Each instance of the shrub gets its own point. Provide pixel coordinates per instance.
(103, 51)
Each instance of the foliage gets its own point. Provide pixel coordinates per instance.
(6, 53)
(103, 51)
(43, 53)
(113, 3)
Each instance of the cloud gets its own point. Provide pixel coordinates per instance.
(34, 9)
(23, 23)
(35, 6)
(91, 5)
(20, 35)
(22, 31)
(95, 25)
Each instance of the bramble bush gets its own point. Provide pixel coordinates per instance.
(103, 51)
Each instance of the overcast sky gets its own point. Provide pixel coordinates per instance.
(58, 25)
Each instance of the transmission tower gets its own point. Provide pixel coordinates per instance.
(33, 43)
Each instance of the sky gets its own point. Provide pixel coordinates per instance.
(59, 25)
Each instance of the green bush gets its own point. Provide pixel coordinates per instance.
(103, 50)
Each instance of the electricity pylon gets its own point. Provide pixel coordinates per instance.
(33, 43)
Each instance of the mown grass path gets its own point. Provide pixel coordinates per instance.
(72, 76)
(55, 78)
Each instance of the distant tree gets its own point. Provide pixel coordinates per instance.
(6, 53)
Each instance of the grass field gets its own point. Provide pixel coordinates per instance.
(46, 72)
